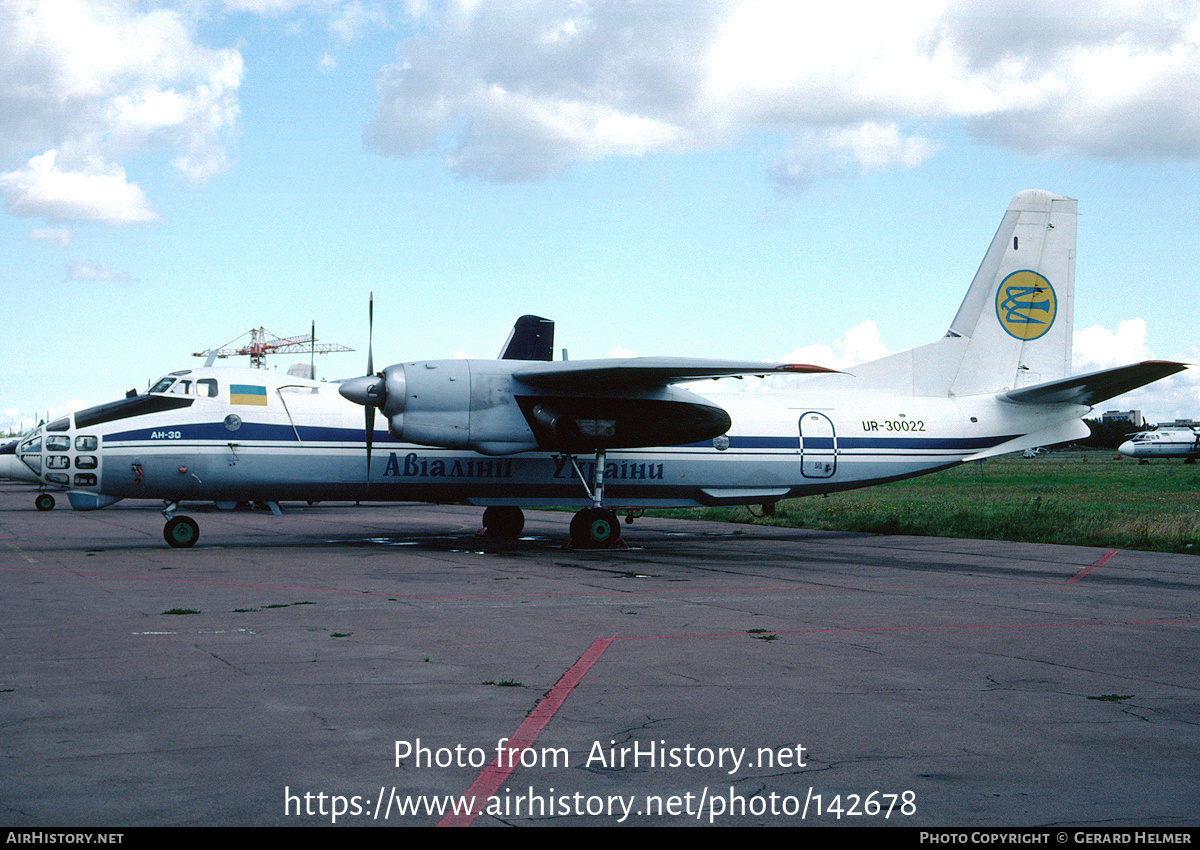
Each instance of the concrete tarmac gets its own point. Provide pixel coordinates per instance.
(362, 665)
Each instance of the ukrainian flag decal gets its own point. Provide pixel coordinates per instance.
(1026, 305)
(247, 394)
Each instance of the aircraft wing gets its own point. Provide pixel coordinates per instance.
(1095, 387)
(636, 372)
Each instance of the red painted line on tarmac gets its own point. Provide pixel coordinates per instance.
(1108, 556)
(495, 774)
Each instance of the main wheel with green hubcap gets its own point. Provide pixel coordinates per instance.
(595, 528)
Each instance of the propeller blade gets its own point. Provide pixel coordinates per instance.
(368, 408)
(370, 411)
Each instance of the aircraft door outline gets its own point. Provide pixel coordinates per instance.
(818, 445)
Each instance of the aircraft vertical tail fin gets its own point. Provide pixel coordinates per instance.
(532, 338)
(1015, 324)
(1018, 314)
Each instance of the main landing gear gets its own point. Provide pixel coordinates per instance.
(503, 521)
(595, 527)
(591, 528)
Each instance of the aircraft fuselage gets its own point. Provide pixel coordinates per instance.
(293, 439)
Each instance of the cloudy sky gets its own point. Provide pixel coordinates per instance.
(755, 179)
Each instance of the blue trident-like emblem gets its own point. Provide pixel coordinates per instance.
(1011, 306)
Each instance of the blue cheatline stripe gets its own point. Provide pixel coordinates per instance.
(251, 432)
(860, 443)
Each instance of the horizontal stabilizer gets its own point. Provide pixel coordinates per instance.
(1064, 432)
(645, 372)
(1095, 387)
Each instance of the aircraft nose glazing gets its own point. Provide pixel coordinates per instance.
(368, 390)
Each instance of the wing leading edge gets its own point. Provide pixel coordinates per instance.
(635, 372)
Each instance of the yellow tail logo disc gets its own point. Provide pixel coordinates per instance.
(1026, 305)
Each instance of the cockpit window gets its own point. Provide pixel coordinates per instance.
(63, 424)
(203, 387)
(127, 407)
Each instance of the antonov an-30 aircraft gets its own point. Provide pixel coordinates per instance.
(1164, 442)
(600, 435)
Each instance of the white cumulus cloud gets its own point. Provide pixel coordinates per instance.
(84, 84)
(517, 91)
(1100, 348)
(860, 344)
(87, 190)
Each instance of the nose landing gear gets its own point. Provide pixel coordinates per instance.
(180, 532)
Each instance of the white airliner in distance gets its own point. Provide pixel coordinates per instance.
(601, 435)
(1163, 442)
(12, 468)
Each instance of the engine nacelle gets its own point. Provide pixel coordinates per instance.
(456, 404)
(479, 405)
(434, 408)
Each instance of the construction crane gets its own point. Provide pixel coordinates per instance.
(260, 346)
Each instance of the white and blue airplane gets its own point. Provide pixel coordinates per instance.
(603, 435)
(1163, 442)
